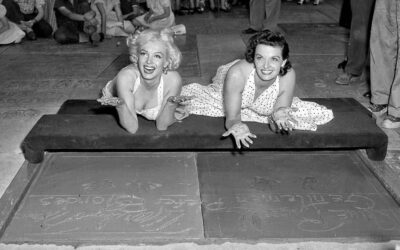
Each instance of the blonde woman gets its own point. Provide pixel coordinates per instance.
(150, 86)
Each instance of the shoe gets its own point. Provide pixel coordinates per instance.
(200, 10)
(191, 11)
(377, 108)
(316, 2)
(367, 94)
(347, 78)
(31, 35)
(249, 31)
(391, 122)
(300, 2)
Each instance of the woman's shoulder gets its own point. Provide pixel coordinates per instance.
(289, 77)
(128, 72)
(240, 69)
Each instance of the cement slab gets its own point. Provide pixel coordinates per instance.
(110, 198)
(50, 46)
(306, 13)
(294, 195)
(315, 39)
(58, 66)
(316, 74)
(47, 93)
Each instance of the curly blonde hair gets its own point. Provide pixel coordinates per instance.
(137, 40)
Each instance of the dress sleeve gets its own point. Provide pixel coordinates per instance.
(3, 11)
(39, 3)
(116, 2)
(165, 3)
(98, 1)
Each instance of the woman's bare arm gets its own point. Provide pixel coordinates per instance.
(281, 114)
(232, 95)
(287, 85)
(126, 110)
(117, 9)
(5, 24)
(167, 111)
(165, 14)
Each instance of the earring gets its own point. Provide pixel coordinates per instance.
(165, 70)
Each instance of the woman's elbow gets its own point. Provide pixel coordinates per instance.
(131, 130)
(161, 127)
(131, 127)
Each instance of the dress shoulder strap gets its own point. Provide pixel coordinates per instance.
(160, 91)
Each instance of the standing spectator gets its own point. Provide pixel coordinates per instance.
(9, 31)
(358, 45)
(75, 22)
(264, 14)
(28, 14)
(385, 62)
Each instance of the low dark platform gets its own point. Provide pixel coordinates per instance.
(85, 125)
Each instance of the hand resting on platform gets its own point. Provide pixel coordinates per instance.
(181, 112)
(241, 133)
(281, 121)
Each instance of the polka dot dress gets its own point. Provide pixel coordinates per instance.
(208, 102)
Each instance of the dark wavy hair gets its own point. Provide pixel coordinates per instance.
(274, 39)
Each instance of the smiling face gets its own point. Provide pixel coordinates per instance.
(268, 60)
(152, 59)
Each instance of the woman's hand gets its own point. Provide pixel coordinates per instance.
(241, 133)
(88, 16)
(181, 113)
(180, 99)
(111, 101)
(282, 120)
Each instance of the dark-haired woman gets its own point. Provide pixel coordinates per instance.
(256, 89)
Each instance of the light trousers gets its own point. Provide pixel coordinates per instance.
(385, 55)
(264, 14)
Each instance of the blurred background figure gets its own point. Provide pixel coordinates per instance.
(9, 31)
(28, 15)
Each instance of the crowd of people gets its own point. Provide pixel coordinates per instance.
(93, 20)
(258, 88)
